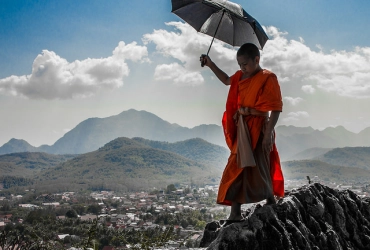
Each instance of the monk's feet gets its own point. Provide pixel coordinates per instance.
(231, 220)
(270, 201)
(235, 217)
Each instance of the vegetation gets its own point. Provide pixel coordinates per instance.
(40, 227)
(325, 171)
(13, 181)
(125, 165)
(195, 149)
(29, 164)
(358, 157)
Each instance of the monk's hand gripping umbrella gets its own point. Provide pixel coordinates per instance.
(221, 19)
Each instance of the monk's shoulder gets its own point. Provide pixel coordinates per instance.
(237, 74)
(267, 73)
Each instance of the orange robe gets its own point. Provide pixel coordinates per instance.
(260, 92)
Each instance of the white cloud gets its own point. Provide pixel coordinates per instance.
(186, 45)
(296, 116)
(346, 73)
(308, 89)
(178, 74)
(54, 77)
(293, 101)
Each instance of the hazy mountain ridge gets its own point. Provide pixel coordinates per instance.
(300, 139)
(16, 146)
(347, 164)
(126, 164)
(324, 171)
(358, 157)
(131, 164)
(311, 153)
(122, 163)
(93, 133)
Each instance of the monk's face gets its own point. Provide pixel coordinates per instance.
(248, 66)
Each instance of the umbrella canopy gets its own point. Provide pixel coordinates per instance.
(221, 19)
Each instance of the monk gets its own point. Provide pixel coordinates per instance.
(253, 172)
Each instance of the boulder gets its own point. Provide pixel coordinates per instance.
(311, 217)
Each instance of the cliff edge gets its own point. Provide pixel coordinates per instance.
(311, 217)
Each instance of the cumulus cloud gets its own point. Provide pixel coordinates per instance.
(186, 45)
(53, 77)
(308, 89)
(293, 101)
(346, 73)
(177, 74)
(296, 116)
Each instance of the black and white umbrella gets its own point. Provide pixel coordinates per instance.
(221, 19)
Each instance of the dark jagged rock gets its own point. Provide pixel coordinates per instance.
(311, 217)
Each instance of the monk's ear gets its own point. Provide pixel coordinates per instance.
(257, 60)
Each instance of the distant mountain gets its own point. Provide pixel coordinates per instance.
(348, 164)
(311, 153)
(358, 157)
(93, 133)
(292, 140)
(126, 164)
(291, 130)
(15, 145)
(323, 171)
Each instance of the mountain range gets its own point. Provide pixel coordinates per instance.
(89, 135)
(137, 163)
(293, 141)
(93, 133)
(122, 164)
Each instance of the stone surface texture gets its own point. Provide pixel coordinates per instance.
(311, 217)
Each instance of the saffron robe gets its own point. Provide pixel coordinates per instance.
(262, 93)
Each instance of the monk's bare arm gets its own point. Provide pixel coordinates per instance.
(268, 136)
(222, 76)
(274, 117)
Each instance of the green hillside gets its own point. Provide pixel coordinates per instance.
(126, 164)
(28, 164)
(309, 154)
(196, 149)
(93, 133)
(325, 171)
(358, 157)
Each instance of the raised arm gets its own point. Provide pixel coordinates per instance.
(222, 76)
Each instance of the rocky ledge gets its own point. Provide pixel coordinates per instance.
(311, 217)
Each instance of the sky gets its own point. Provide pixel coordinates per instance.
(62, 62)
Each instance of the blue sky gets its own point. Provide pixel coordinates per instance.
(318, 49)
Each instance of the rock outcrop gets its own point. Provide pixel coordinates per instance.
(311, 217)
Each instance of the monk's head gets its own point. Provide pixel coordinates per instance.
(248, 57)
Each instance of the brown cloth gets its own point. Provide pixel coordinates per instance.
(254, 183)
(244, 155)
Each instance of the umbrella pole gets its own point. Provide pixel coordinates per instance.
(223, 12)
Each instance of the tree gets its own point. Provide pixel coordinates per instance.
(79, 208)
(5, 206)
(200, 225)
(170, 188)
(71, 213)
(94, 209)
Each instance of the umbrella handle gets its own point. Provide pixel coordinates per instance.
(213, 38)
(202, 60)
